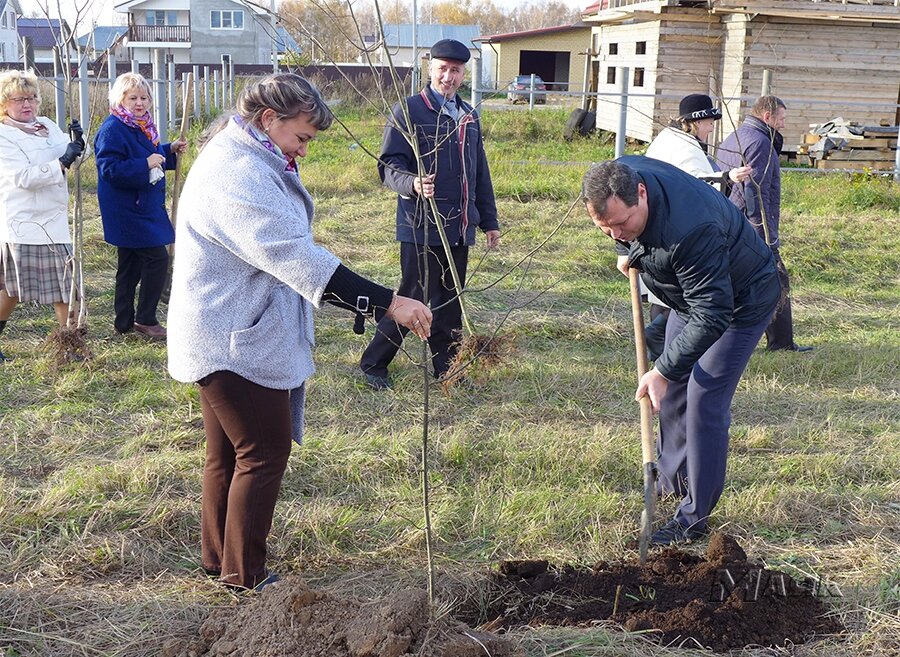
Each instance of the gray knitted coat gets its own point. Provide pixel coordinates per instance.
(247, 271)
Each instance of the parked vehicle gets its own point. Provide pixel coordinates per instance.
(519, 89)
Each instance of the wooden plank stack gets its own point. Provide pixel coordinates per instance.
(840, 144)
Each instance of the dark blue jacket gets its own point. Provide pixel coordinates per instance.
(133, 211)
(700, 256)
(759, 144)
(455, 153)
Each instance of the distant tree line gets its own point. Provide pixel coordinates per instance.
(332, 28)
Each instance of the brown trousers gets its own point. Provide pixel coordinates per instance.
(248, 441)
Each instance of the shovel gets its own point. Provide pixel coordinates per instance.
(648, 441)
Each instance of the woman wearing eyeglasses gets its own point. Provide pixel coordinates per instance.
(35, 245)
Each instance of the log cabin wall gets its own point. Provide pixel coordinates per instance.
(633, 45)
(724, 51)
(819, 60)
(690, 53)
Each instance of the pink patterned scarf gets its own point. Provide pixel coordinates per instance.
(145, 124)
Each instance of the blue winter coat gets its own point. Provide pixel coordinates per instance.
(757, 145)
(133, 211)
(699, 255)
(454, 152)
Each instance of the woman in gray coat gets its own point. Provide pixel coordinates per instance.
(247, 275)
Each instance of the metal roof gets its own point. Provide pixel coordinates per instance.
(103, 37)
(44, 32)
(508, 36)
(400, 36)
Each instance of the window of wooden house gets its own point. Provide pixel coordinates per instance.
(614, 49)
(638, 77)
(640, 48)
(611, 75)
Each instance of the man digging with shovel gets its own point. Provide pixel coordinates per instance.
(697, 253)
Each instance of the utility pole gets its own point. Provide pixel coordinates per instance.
(414, 77)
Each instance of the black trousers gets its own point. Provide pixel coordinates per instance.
(248, 442)
(446, 324)
(147, 267)
(780, 331)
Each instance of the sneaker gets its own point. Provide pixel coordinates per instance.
(378, 382)
(673, 532)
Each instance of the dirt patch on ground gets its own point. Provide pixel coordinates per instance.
(722, 601)
(288, 619)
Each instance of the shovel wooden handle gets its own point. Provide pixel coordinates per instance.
(648, 442)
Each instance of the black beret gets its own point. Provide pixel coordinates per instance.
(696, 107)
(450, 49)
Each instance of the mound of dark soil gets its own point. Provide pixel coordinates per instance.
(722, 601)
(288, 619)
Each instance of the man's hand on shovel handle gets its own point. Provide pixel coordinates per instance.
(654, 385)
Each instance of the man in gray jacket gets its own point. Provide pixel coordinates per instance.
(757, 144)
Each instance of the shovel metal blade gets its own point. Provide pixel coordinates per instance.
(649, 512)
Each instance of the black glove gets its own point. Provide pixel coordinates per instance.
(76, 133)
(73, 150)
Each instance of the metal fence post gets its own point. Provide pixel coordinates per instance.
(111, 67)
(206, 89)
(159, 90)
(476, 82)
(196, 90)
(172, 92)
(135, 66)
(897, 159)
(59, 84)
(531, 94)
(623, 110)
(84, 99)
(230, 83)
(767, 82)
(215, 88)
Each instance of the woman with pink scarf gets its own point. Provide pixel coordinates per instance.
(131, 190)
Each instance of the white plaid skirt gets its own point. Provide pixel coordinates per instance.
(36, 272)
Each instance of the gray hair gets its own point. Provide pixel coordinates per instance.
(286, 94)
(606, 179)
(125, 83)
(765, 104)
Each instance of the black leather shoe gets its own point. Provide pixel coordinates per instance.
(378, 382)
(793, 347)
(271, 579)
(673, 532)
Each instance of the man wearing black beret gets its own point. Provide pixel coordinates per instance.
(454, 175)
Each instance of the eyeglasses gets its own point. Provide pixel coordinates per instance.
(21, 100)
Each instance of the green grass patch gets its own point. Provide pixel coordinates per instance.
(101, 463)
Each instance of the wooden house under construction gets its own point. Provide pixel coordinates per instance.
(827, 58)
